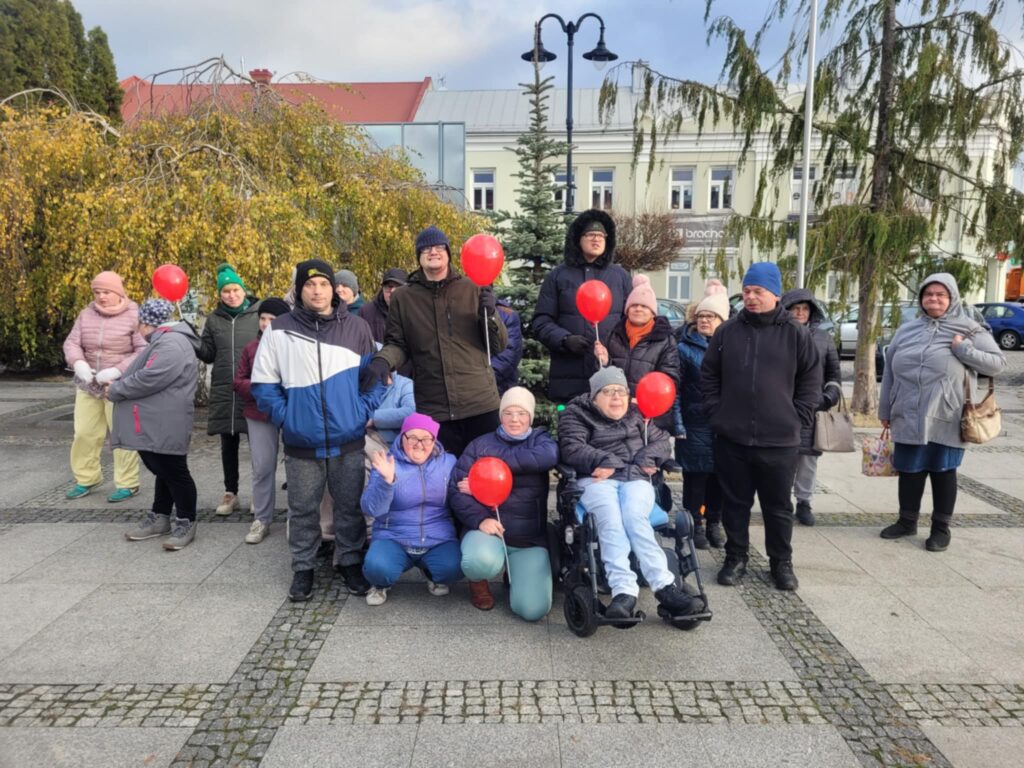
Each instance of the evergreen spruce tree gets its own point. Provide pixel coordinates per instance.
(534, 237)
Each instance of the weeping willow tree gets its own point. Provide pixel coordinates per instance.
(919, 105)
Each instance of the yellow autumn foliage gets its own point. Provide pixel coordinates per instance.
(262, 186)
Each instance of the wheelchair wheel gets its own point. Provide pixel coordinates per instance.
(579, 611)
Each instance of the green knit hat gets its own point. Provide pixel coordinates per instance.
(226, 275)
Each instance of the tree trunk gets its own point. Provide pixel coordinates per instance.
(865, 395)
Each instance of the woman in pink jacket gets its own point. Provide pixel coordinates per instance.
(101, 345)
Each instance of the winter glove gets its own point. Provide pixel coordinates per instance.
(107, 375)
(488, 303)
(375, 372)
(578, 345)
(83, 372)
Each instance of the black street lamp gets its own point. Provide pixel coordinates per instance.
(600, 56)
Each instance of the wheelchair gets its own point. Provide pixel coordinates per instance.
(576, 561)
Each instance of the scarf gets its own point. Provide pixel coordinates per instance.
(117, 309)
(235, 311)
(514, 438)
(636, 332)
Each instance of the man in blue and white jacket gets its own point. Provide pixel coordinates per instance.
(306, 377)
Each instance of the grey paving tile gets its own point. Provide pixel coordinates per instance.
(31, 543)
(102, 554)
(501, 652)
(988, 557)
(411, 604)
(493, 745)
(342, 746)
(992, 747)
(617, 745)
(213, 544)
(28, 608)
(90, 748)
(266, 565)
(756, 746)
(903, 562)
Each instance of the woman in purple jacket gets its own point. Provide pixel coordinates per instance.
(412, 526)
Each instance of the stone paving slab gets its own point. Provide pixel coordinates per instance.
(979, 747)
(353, 746)
(106, 748)
(28, 544)
(28, 608)
(439, 746)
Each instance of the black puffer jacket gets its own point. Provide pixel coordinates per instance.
(656, 351)
(556, 316)
(761, 379)
(587, 440)
(828, 359)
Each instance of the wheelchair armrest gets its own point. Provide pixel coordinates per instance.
(565, 471)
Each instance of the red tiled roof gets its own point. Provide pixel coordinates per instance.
(346, 102)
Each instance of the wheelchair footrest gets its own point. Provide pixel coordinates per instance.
(704, 615)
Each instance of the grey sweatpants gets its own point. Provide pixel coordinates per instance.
(307, 478)
(806, 472)
(263, 442)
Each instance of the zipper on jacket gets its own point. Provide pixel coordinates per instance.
(423, 503)
(753, 390)
(232, 370)
(323, 399)
(99, 343)
(440, 350)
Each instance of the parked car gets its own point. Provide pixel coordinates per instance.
(1006, 321)
(675, 311)
(827, 324)
(908, 313)
(846, 335)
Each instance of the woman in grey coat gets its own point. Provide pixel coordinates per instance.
(922, 399)
(153, 408)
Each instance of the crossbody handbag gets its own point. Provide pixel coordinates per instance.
(983, 421)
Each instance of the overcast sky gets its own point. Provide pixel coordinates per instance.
(470, 43)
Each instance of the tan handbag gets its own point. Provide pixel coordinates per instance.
(833, 429)
(984, 421)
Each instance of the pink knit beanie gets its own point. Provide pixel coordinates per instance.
(642, 294)
(713, 286)
(109, 281)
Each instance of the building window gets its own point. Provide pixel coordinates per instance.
(601, 189)
(721, 189)
(798, 188)
(679, 273)
(483, 190)
(561, 179)
(680, 196)
(844, 188)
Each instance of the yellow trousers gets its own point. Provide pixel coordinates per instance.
(93, 419)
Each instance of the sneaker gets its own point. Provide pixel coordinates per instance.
(377, 596)
(78, 491)
(257, 532)
(352, 576)
(302, 586)
(715, 534)
(437, 590)
(677, 602)
(783, 576)
(152, 525)
(732, 570)
(803, 513)
(621, 607)
(904, 526)
(121, 494)
(182, 533)
(480, 595)
(228, 504)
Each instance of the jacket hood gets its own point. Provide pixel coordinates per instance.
(573, 253)
(956, 316)
(690, 335)
(182, 327)
(795, 296)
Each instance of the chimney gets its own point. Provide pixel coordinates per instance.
(261, 76)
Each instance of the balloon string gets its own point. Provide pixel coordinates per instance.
(508, 565)
(487, 338)
(597, 335)
(647, 423)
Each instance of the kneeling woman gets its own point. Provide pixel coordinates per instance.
(531, 454)
(412, 526)
(601, 436)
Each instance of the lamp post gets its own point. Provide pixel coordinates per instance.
(539, 55)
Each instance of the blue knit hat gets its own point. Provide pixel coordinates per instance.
(430, 237)
(766, 275)
(155, 312)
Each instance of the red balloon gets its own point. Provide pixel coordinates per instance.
(594, 300)
(170, 281)
(490, 481)
(482, 258)
(655, 394)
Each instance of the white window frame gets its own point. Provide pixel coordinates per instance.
(724, 187)
(602, 189)
(678, 188)
(677, 272)
(483, 187)
(844, 186)
(563, 185)
(797, 180)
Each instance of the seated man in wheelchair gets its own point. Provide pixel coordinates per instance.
(602, 437)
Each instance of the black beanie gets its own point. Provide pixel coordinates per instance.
(274, 306)
(312, 268)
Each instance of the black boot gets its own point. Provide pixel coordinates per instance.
(302, 586)
(938, 541)
(715, 533)
(353, 577)
(783, 576)
(732, 570)
(621, 607)
(803, 513)
(700, 541)
(906, 525)
(677, 602)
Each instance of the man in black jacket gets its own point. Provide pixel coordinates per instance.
(761, 382)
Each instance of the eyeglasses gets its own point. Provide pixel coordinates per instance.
(433, 249)
(421, 442)
(516, 413)
(708, 316)
(595, 236)
(614, 392)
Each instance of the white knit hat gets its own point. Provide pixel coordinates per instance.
(520, 397)
(717, 303)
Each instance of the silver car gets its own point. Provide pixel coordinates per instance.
(847, 325)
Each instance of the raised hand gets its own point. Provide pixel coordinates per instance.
(385, 465)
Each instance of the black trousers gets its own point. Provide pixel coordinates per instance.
(701, 489)
(456, 435)
(911, 489)
(743, 471)
(175, 487)
(229, 460)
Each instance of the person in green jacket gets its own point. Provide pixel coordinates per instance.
(232, 325)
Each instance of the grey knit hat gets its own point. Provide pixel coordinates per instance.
(155, 312)
(347, 278)
(606, 376)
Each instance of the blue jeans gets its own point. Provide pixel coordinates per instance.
(622, 514)
(387, 560)
(483, 558)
